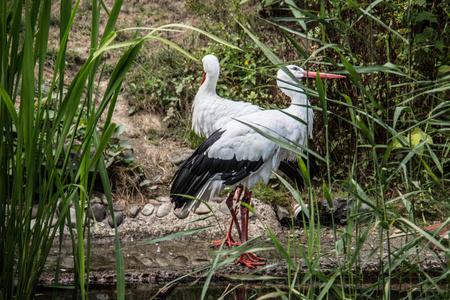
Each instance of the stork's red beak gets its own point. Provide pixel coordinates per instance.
(311, 74)
(203, 78)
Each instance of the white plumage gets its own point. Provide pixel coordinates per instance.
(211, 112)
(240, 142)
(237, 155)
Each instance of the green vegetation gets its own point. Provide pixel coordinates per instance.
(47, 134)
(381, 136)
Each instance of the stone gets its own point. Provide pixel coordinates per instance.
(178, 157)
(119, 219)
(177, 213)
(154, 202)
(117, 207)
(134, 210)
(202, 209)
(224, 208)
(34, 211)
(283, 214)
(342, 207)
(148, 209)
(164, 210)
(95, 199)
(54, 221)
(99, 198)
(217, 199)
(163, 199)
(73, 216)
(180, 261)
(98, 211)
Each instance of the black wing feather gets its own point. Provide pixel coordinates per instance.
(198, 169)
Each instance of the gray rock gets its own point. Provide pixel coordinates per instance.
(217, 199)
(178, 157)
(180, 261)
(283, 214)
(119, 219)
(341, 208)
(99, 198)
(163, 199)
(34, 211)
(73, 216)
(98, 211)
(146, 261)
(54, 221)
(202, 209)
(117, 207)
(154, 202)
(95, 199)
(177, 213)
(224, 208)
(148, 209)
(164, 210)
(134, 210)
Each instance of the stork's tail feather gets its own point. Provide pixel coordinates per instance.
(292, 170)
(187, 181)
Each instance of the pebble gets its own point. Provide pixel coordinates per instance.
(119, 219)
(73, 216)
(177, 213)
(202, 209)
(54, 221)
(34, 211)
(180, 261)
(98, 211)
(164, 210)
(217, 199)
(224, 208)
(134, 210)
(154, 202)
(163, 199)
(283, 214)
(148, 209)
(117, 207)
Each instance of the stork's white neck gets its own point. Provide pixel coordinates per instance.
(211, 66)
(210, 83)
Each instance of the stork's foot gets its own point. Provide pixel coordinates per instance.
(250, 260)
(228, 240)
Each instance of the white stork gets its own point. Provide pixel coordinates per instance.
(211, 113)
(236, 155)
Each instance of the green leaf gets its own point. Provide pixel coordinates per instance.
(426, 16)
(398, 111)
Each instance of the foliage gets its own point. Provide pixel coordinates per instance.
(48, 131)
(382, 139)
(386, 125)
(119, 151)
(38, 165)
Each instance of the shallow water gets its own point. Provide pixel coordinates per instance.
(145, 291)
(138, 256)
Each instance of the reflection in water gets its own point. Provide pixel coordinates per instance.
(138, 256)
(144, 291)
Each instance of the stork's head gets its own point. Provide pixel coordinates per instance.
(285, 82)
(211, 66)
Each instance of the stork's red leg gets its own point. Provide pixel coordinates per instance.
(228, 238)
(247, 259)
